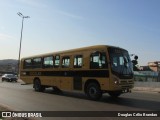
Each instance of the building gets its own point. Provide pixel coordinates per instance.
(155, 66)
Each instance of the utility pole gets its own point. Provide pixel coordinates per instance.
(22, 16)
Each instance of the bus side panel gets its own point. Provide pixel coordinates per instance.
(27, 79)
(66, 83)
(63, 83)
(45, 80)
(56, 82)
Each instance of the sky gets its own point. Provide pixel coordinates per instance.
(56, 25)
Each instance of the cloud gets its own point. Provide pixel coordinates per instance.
(6, 37)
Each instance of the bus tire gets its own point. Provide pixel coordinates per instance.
(37, 86)
(93, 91)
(115, 94)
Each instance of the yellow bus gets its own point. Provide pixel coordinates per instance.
(93, 70)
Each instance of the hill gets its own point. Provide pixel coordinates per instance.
(8, 62)
(8, 66)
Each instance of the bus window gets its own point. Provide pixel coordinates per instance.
(48, 62)
(121, 64)
(27, 63)
(103, 60)
(65, 62)
(37, 62)
(57, 61)
(98, 60)
(115, 62)
(78, 61)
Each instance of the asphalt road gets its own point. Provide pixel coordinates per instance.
(24, 98)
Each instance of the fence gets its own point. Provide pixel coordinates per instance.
(146, 76)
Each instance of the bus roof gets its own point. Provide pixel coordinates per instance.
(71, 50)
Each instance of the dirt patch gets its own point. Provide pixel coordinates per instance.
(3, 108)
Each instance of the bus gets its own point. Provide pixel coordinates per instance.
(93, 70)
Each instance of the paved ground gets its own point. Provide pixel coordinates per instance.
(24, 98)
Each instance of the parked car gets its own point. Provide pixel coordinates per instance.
(9, 77)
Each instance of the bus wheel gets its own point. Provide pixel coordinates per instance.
(115, 94)
(37, 86)
(93, 91)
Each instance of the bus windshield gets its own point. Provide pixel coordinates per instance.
(121, 64)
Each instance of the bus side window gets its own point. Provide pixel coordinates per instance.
(57, 61)
(37, 63)
(48, 62)
(98, 60)
(27, 63)
(103, 60)
(65, 62)
(94, 61)
(78, 61)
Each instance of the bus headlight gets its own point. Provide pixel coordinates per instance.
(116, 81)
